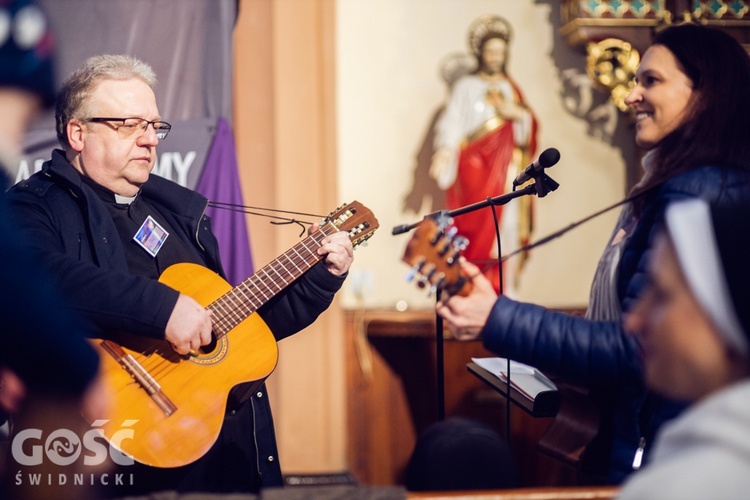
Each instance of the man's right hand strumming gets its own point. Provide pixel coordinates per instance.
(189, 326)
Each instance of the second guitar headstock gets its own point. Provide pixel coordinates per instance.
(433, 254)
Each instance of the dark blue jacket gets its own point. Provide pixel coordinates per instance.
(70, 227)
(600, 355)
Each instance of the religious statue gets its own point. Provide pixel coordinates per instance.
(485, 136)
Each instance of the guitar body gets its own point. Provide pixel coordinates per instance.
(198, 385)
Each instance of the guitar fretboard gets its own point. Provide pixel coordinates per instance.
(236, 305)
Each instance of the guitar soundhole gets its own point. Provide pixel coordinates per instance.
(212, 353)
(207, 349)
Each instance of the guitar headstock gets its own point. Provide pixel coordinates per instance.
(433, 253)
(355, 219)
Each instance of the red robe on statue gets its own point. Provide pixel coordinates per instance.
(483, 172)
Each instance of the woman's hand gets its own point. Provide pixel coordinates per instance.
(466, 316)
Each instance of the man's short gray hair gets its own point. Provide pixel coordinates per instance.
(76, 90)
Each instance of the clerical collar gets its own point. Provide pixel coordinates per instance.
(124, 200)
(109, 196)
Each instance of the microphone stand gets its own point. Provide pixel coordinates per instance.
(541, 187)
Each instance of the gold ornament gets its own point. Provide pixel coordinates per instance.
(611, 65)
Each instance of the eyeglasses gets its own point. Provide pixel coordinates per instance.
(135, 127)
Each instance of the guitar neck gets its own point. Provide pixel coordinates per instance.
(233, 307)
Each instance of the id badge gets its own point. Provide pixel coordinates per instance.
(151, 236)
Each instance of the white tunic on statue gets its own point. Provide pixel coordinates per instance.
(467, 110)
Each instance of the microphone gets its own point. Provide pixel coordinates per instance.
(547, 159)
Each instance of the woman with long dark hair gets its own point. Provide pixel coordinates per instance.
(693, 116)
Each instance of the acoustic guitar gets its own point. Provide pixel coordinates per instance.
(432, 254)
(173, 405)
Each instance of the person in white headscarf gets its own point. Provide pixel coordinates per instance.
(693, 327)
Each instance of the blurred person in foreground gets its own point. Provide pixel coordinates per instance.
(692, 324)
(48, 372)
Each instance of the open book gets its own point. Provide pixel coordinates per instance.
(530, 388)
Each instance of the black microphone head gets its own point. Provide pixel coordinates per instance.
(549, 157)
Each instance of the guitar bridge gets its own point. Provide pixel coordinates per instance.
(140, 375)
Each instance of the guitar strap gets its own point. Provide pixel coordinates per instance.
(573, 225)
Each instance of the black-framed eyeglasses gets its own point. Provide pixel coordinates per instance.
(134, 127)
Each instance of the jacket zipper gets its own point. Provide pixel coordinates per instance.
(198, 228)
(638, 458)
(255, 440)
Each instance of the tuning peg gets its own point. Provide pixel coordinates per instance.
(443, 251)
(460, 243)
(410, 275)
(427, 276)
(437, 285)
(444, 220)
(413, 271)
